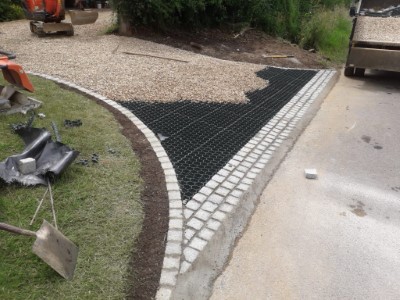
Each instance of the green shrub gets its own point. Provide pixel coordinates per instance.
(277, 17)
(327, 31)
(10, 10)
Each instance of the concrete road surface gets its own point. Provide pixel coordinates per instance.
(337, 237)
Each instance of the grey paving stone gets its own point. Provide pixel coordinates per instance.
(171, 262)
(173, 248)
(222, 191)
(213, 224)
(233, 179)
(198, 243)
(226, 207)
(164, 293)
(208, 206)
(232, 200)
(176, 223)
(199, 197)
(220, 216)
(206, 234)
(195, 223)
(193, 205)
(168, 278)
(228, 185)
(190, 254)
(189, 233)
(203, 215)
(184, 267)
(217, 199)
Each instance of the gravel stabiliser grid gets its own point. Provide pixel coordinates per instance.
(200, 138)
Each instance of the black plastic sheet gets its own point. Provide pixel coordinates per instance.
(52, 158)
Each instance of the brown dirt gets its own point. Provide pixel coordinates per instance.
(147, 259)
(146, 262)
(252, 46)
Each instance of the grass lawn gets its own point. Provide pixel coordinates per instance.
(98, 207)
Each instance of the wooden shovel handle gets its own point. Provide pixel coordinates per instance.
(16, 230)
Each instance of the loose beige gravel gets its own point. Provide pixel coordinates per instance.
(96, 61)
(377, 30)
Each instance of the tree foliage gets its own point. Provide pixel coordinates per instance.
(279, 17)
(10, 10)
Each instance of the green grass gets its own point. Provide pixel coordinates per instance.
(98, 207)
(328, 31)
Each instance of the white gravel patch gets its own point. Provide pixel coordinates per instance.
(377, 30)
(97, 62)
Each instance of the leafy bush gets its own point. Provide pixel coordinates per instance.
(277, 17)
(10, 10)
(327, 31)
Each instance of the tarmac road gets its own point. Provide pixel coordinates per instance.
(337, 237)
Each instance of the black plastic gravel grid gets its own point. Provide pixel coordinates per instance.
(200, 137)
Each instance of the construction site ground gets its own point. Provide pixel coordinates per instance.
(131, 68)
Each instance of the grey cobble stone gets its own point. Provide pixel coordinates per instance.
(189, 233)
(176, 223)
(220, 216)
(190, 254)
(198, 243)
(206, 234)
(212, 184)
(200, 197)
(213, 224)
(232, 200)
(171, 262)
(173, 248)
(193, 205)
(228, 185)
(195, 223)
(209, 206)
(233, 179)
(188, 213)
(217, 199)
(168, 278)
(222, 191)
(226, 207)
(203, 215)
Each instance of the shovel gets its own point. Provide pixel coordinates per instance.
(52, 247)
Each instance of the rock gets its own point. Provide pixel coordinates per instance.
(311, 173)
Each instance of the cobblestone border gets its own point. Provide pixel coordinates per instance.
(173, 249)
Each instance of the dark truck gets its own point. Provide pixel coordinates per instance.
(375, 37)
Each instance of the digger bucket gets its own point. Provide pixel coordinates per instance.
(52, 247)
(13, 72)
(83, 17)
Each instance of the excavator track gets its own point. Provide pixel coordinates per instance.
(43, 29)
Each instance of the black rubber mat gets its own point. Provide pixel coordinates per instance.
(200, 138)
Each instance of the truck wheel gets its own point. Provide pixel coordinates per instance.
(348, 71)
(359, 72)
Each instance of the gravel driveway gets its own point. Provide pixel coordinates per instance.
(96, 61)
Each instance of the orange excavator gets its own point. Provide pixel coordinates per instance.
(11, 100)
(47, 16)
(13, 72)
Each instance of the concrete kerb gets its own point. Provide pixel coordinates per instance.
(173, 250)
(205, 252)
(216, 216)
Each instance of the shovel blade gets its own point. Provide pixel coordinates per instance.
(56, 250)
(83, 17)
